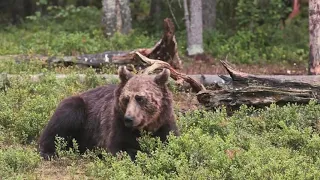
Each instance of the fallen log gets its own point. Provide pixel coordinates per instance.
(256, 91)
(248, 79)
(207, 80)
(237, 89)
(165, 49)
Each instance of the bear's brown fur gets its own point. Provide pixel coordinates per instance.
(112, 116)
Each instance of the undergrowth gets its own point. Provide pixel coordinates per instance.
(34, 66)
(79, 32)
(274, 143)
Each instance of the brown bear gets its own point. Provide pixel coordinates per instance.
(112, 117)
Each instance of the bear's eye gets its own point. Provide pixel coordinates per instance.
(140, 99)
(125, 101)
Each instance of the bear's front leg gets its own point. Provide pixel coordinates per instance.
(66, 121)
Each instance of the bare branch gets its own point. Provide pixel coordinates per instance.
(250, 79)
(178, 77)
(232, 72)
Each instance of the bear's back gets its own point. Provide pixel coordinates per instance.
(99, 101)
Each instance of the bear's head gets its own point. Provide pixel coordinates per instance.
(145, 101)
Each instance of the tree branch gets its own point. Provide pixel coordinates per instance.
(257, 91)
(178, 77)
(165, 49)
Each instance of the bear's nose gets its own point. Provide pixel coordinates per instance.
(128, 121)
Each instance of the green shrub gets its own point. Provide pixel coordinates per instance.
(264, 45)
(274, 142)
(252, 36)
(213, 145)
(271, 143)
(274, 163)
(27, 105)
(17, 160)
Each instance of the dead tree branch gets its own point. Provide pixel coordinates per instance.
(247, 89)
(249, 79)
(178, 77)
(165, 49)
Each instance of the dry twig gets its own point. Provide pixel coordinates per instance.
(178, 77)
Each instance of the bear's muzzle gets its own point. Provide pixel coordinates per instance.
(128, 121)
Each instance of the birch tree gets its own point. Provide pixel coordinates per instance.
(314, 37)
(116, 17)
(193, 22)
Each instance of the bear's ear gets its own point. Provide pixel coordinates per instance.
(124, 74)
(162, 77)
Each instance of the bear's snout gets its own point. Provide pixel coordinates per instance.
(128, 121)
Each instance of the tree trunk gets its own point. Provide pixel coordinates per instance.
(194, 27)
(314, 36)
(209, 14)
(116, 17)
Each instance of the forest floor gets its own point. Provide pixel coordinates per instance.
(183, 101)
(208, 65)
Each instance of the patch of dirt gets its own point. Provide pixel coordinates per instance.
(185, 101)
(205, 64)
(60, 170)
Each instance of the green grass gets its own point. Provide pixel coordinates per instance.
(79, 32)
(276, 143)
(35, 66)
(47, 42)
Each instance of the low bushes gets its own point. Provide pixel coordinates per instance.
(276, 143)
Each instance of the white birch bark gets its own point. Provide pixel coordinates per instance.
(116, 17)
(194, 26)
(314, 37)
